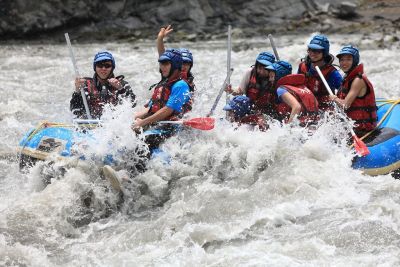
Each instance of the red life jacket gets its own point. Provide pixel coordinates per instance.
(363, 109)
(188, 78)
(94, 98)
(294, 84)
(254, 119)
(160, 97)
(261, 98)
(315, 84)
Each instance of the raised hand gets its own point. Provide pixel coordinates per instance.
(78, 83)
(115, 83)
(164, 32)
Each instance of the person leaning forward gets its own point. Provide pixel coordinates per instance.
(293, 98)
(104, 88)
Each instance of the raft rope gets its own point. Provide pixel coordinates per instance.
(383, 102)
(46, 124)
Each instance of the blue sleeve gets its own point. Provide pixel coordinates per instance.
(180, 95)
(335, 80)
(281, 91)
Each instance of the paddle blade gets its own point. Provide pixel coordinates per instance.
(360, 146)
(200, 123)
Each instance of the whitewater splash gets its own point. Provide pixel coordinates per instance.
(229, 197)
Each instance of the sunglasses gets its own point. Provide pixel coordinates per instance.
(314, 50)
(103, 65)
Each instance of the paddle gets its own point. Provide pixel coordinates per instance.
(197, 123)
(83, 121)
(271, 40)
(227, 79)
(228, 63)
(359, 145)
(71, 54)
(220, 94)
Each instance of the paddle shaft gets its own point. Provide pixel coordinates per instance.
(83, 121)
(328, 88)
(226, 82)
(71, 54)
(170, 122)
(228, 63)
(271, 40)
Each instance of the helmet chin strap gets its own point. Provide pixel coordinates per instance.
(316, 61)
(171, 72)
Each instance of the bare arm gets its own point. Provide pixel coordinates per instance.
(242, 86)
(141, 114)
(358, 89)
(160, 39)
(292, 102)
(160, 115)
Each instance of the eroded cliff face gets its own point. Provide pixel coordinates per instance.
(192, 19)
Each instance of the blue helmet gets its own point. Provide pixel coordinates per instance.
(240, 105)
(186, 55)
(281, 68)
(103, 56)
(265, 58)
(350, 50)
(320, 42)
(174, 56)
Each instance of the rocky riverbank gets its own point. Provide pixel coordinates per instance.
(193, 20)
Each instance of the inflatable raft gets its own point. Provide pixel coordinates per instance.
(384, 142)
(57, 140)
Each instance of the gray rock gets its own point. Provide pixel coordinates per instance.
(112, 19)
(346, 10)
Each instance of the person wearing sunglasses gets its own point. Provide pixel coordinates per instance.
(318, 55)
(103, 88)
(293, 98)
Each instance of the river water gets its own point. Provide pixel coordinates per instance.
(227, 198)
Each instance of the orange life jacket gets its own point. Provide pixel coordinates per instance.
(262, 98)
(315, 84)
(363, 109)
(294, 84)
(188, 78)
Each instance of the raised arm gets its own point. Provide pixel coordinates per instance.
(160, 38)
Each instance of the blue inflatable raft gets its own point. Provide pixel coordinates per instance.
(384, 145)
(58, 139)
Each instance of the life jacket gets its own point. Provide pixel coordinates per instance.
(262, 98)
(254, 119)
(188, 78)
(96, 98)
(363, 109)
(294, 84)
(161, 94)
(315, 84)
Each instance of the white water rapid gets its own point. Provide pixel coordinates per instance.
(227, 198)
